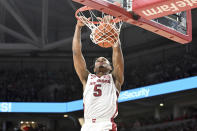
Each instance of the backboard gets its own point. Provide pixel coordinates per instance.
(177, 27)
(150, 9)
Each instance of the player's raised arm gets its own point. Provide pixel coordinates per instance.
(118, 64)
(79, 61)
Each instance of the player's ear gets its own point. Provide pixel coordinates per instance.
(94, 69)
(110, 67)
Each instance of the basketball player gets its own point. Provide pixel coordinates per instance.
(101, 89)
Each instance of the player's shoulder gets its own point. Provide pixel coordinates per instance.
(91, 76)
(108, 76)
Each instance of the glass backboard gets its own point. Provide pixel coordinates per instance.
(177, 22)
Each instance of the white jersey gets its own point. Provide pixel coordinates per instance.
(100, 97)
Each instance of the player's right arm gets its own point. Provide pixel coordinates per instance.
(79, 61)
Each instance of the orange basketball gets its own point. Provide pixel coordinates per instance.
(105, 35)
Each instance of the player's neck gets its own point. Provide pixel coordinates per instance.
(99, 74)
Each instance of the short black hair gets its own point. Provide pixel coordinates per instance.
(108, 58)
(94, 60)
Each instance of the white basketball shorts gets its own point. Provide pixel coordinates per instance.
(99, 125)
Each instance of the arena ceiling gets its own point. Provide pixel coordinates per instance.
(42, 26)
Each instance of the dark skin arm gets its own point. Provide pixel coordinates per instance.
(79, 61)
(118, 64)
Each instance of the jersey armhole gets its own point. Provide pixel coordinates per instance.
(89, 75)
(115, 84)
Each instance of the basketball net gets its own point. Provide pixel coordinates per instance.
(104, 28)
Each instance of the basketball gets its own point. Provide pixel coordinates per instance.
(105, 35)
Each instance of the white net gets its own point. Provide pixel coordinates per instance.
(105, 28)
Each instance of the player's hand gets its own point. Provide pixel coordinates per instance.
(80, 23)
(106, 19)
(83, 21)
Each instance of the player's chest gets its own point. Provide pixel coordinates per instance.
(100, 86)
(104, 80)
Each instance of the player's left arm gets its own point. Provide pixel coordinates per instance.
(118, 65)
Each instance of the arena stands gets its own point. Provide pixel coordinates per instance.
(33, 85)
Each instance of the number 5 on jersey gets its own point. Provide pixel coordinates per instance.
(97, 91)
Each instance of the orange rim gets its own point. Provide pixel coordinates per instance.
(85, 8)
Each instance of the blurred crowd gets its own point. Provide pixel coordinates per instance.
(190, 125)
(34, 85)
(183, 123)
(176, 67)
(38, 86)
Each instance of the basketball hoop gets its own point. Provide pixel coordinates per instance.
(105, 29)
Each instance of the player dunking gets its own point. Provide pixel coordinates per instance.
(100, 90)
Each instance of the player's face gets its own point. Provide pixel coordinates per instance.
(102, 64)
